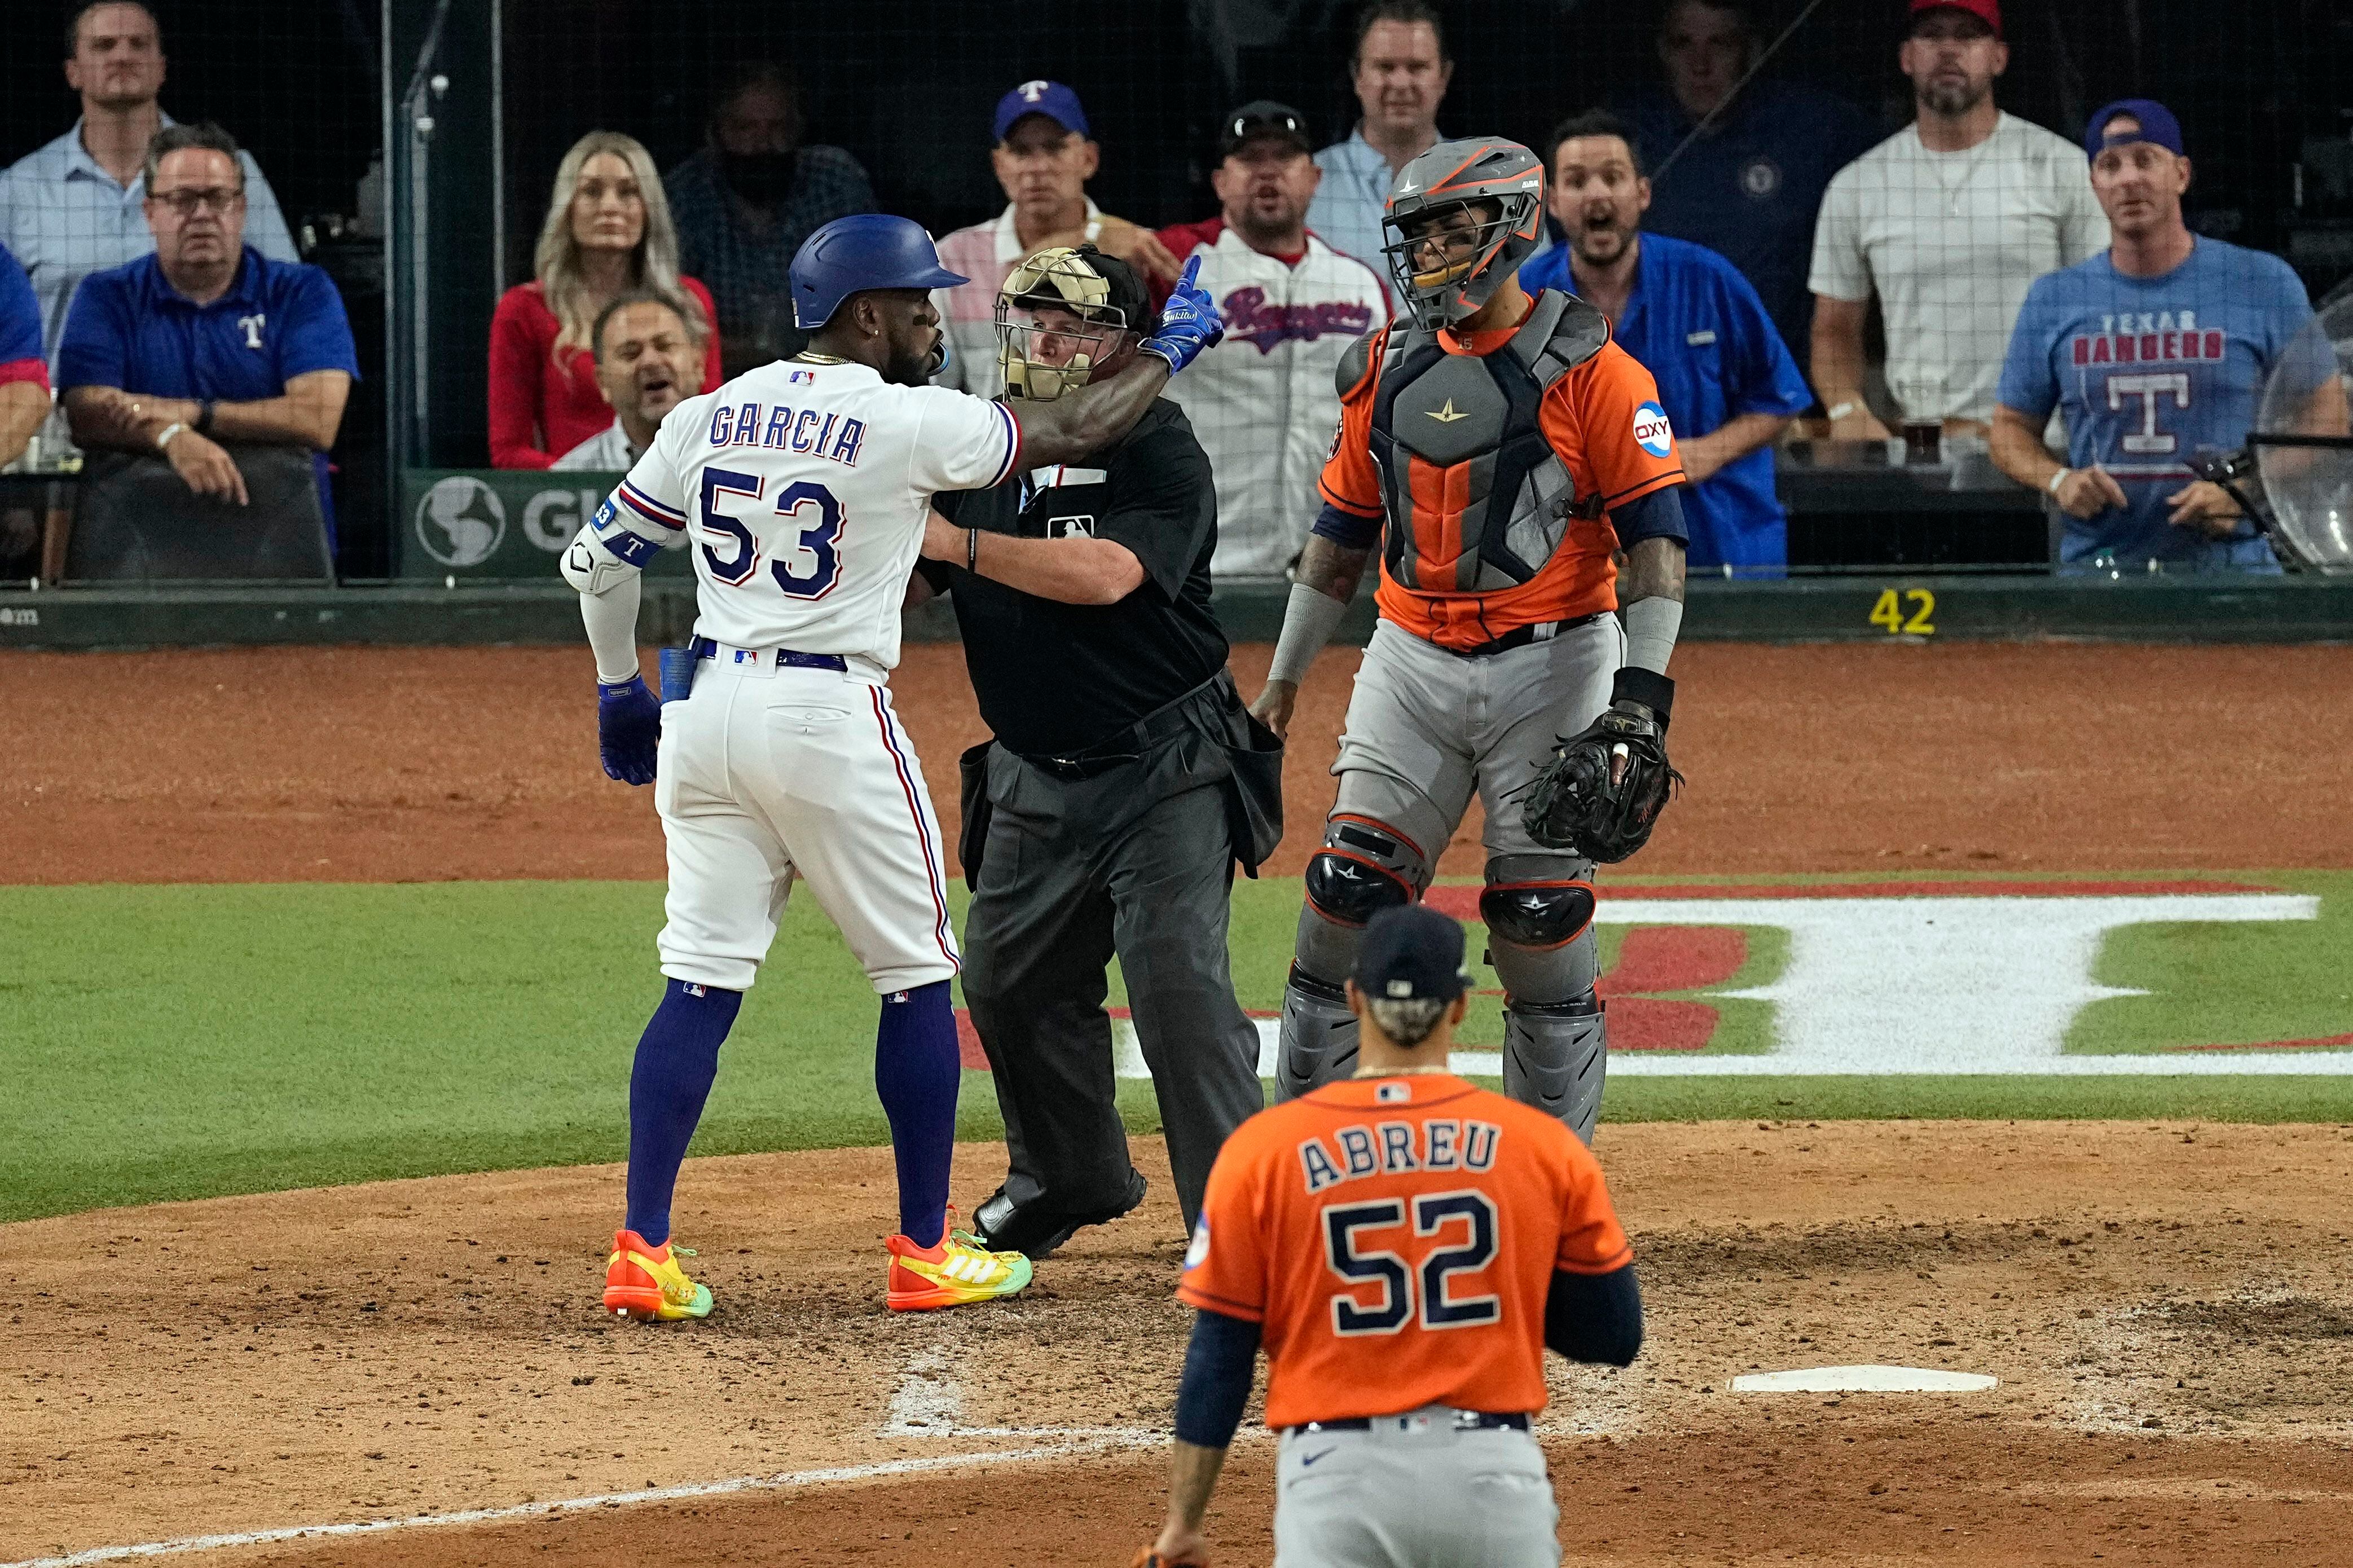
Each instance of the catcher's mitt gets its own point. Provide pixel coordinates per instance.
(1573, 804)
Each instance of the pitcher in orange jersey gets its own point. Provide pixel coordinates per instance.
(1505, 456)
(1404, 1245)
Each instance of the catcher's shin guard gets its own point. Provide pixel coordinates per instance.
(1555, 1056)
(1318, 1042)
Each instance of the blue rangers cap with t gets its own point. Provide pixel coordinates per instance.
(1410, 953)
(2151, 121)
(865, 250)
(1050, 99)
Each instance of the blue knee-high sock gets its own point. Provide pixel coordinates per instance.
(678, 1055)
(917, 1073)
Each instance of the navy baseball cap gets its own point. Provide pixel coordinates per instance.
(1050, 99)
(1410, 953)
(2157, 124)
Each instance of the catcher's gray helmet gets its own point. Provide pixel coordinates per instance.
(1444, 279)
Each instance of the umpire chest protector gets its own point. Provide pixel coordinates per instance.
(1475, 496)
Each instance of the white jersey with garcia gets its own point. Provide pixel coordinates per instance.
(802, 487)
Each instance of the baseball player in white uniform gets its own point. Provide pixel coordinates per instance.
(802, 489)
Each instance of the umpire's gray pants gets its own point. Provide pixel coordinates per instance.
(1414, 1493)
(1134, 861)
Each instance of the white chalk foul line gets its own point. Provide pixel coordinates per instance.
(1115, 1438)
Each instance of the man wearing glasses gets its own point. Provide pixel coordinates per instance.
(210, 358)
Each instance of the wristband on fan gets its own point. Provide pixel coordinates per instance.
(2057, 479)
(1647, 687)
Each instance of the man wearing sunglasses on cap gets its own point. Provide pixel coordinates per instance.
(1262, 402)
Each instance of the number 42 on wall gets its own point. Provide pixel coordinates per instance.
(1890, 615)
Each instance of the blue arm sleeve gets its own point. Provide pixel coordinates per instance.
(2027, 383)
(94, 348)
(1217, 1380)
(1589, 1317)
(1348, 530)
(21, 312)
(320, 336)
(1657, 515)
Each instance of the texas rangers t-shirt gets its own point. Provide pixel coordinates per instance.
(2149, 372)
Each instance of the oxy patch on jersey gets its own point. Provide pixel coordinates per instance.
(1651, 431)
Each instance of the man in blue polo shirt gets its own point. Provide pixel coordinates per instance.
(1749, 171)
(206, 340)
(1724, 376)
(2157, 350)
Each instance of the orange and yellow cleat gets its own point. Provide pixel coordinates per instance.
(951, 1274)
(645, 1282)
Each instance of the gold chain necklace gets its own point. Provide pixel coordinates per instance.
(1397, 1072)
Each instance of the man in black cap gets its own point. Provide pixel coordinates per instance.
(1465, 1234)
(1124, 780)
(1264, 401)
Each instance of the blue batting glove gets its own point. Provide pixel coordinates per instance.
(628, 730)
(1189, 323)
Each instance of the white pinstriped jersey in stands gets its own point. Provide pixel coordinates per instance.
(802, 489)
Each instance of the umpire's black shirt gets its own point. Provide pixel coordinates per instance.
(1054, 679)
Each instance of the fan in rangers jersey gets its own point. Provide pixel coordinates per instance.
(1405, 1246)
(1262, 402)
(1500, 449)
(802, 487)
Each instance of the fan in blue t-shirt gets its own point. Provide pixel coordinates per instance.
(2153, 353)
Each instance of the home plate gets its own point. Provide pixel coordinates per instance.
(1862, 1380)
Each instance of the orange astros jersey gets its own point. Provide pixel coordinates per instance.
(1394, 1239)
(1600, 417)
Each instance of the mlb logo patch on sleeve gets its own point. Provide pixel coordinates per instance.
(1651, 431)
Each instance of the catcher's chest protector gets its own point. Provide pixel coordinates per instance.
(1476, 498)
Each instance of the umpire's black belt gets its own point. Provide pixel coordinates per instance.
(709, 647)
(1130, 744)
(1463, 1421)
(1521, 637)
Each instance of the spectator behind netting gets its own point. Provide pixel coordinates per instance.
(1262, 402)
(747, 200)
(1726, 379)
(1949, 221)
(23, 368)
(76, 206)
(1399, 68)
(1749, 176)
(649, 359)
(217, 374)
(2156, 350)
(607, 234)
(1043, 158)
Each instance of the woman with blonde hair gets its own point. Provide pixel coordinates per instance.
(609, 233)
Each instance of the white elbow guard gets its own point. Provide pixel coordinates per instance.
(595, 562)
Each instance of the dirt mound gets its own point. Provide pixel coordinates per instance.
(2175, 1366)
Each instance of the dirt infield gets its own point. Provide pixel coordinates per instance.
(2167, 1308)
(360, 764)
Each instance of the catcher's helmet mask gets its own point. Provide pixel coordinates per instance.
(1445, 280)
(1062, 315)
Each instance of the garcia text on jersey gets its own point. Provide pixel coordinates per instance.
(1437, 1143)
(805, 430)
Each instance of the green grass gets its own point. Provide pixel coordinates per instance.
(172, 1042)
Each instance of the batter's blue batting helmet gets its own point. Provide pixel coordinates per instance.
(865, 250)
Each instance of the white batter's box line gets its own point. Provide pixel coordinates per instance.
(1104, 1440)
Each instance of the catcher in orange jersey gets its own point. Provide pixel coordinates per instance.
(1405, 1245)
(1499, 451)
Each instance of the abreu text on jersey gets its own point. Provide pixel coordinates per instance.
(1440, 1143)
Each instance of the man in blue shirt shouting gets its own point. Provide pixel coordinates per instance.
(2156, 350)
(1726, 380)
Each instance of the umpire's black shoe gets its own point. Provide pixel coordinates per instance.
(1035, 1229)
